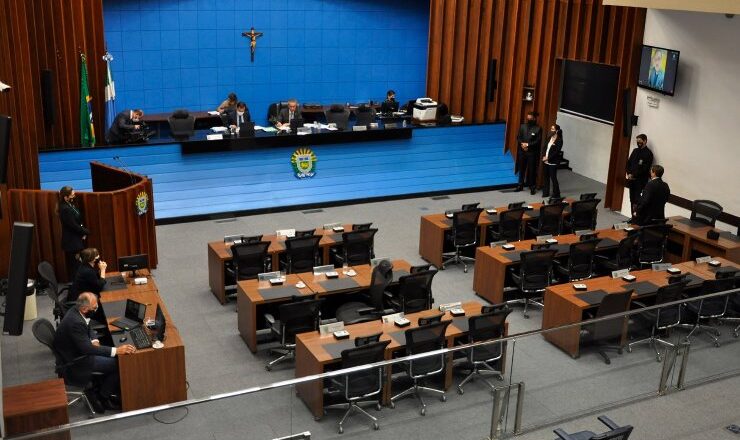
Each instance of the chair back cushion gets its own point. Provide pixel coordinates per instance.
(423, 339)
(249, 259)
(415, 291)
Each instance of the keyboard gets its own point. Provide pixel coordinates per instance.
(140, 338)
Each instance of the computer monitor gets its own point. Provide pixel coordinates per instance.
(246, 129)
(133, 263)
(161, 323)
(295, 123)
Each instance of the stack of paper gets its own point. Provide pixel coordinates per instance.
(214, 113)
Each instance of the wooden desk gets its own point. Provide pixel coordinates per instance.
(313, 357)
(250, 299)
(150, 376)
(562, 306)
(433, 227)
(491, 263)
(692, 236)
(219, 253)
(35, 406)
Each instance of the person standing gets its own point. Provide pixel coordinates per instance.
(528, 152)
(74, 233)
(651, 206)
(551, 159)
(638, 170)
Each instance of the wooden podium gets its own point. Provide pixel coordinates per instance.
(117, 226)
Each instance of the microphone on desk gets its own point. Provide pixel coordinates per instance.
(125, 168)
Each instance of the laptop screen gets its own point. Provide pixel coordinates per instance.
(135, 310)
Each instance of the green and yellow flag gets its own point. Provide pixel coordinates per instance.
(87, 131)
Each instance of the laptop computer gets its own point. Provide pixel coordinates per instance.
(246, 129)
(135, 313)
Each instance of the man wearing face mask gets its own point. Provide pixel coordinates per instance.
(83, 355)
(238, 116)
(90, 276)
(638, 170)
(124, 123)
(528, 152)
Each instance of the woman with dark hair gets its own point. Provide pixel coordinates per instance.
(551, 160)
(73, 231)
(90, 276)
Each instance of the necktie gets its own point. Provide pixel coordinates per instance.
(239, 122)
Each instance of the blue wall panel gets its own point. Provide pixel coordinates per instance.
(190, 53)
(434, 159)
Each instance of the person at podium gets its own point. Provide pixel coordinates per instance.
(288, 114)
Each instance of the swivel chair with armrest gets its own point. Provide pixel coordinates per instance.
(651, 243)
(249, 259)
(583, 215)
(357, 248)
(361, 226)
(533, 277)
(355, 312)
(464, 235)
(365, 115)
(182, 124)
(480, 359)
(301, 254)
(607, 335)
(57, 292)
(414, 293)
(580, 265)
(550, 220)
(615, 432)
(294, 318)
(705, 211)
(338, 115)
(509, 226)
(709, 309)
(623, 259)
(661, 319)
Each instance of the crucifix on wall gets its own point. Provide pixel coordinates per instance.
(252, 35)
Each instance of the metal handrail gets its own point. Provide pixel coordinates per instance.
(310, 378)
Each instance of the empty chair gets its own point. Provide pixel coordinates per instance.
(182, 124)
(583, 214)
(361, 387)
(651, 241)
(509, 226)
(464, 235)
(533, 277)
(421, 340)
(607, 335)
(587, 196)
(615, 432)
(481, 328)
(339, 115)
(580, 264)
(468, 206)
(623, 258)
(550, 221)
(356, 311)
(705, 211)
(301, 254)
(709, 308)
(357, 248)
(249, 260)
(361, 226)
(660, 319)
(58, 293)
(365, 115)
(414, 292)
(293, 318)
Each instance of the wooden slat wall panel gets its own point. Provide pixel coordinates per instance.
(527, 38)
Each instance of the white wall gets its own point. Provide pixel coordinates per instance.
(587, 144)
(695, 134)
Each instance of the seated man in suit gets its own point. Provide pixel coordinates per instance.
(288, 114)
(75, 339)
(237, 117)
(90, 276)
(124, 123)
(653, 199)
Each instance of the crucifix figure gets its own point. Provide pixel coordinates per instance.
(252, 35)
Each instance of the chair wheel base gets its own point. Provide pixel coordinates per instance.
(423, 411)
(460, 391)
(268, 368)
(443, 398)
(376, 426)
(341, 430)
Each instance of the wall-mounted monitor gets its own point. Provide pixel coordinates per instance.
(658, 68)
(589, 90)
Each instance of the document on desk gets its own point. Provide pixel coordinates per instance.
(218, 129)
(213, 113)
(259, 127)
(268, 129)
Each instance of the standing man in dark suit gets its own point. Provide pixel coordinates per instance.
(75, 339)
(238, 116)
(638, 169)
(528, 152)
(551, 159)
(125, 122)
(90, 276)
(654, 197)
(288, 114)
(74, 233)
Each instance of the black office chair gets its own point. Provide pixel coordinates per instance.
(361, 226)
(422, 340)
(651, 242)
(468, 206)
(623, 258)
(580, 264)
(249, 260)
(426, 320)
(607, 335)
(306, 233)
(554, 200)
(615, 432)
(660, 319)
(509, 226)
(513, 205)
(182, 124)
(709, 308)
(705, 211)
(587, 196)
(733, 315)
(76, 385)
(583, 214)
(414, 293)
(339, 115)
(481, 328)
(251, 238)
(535, 274)
(273, 111)
(301, 254)
(361, 387)
(550, 221)
(294, 318)
(357, 248)
(355, 312)
(539, 246)
(365, 115)
(464, 235)
(58, 293)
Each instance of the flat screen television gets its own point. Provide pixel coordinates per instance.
(589, 90)
(658, 68)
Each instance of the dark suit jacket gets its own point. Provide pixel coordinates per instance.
(231, 117)
(639, 163)
(122, 124)
(87, 279)
(553, 155)
(652, 202)
(73, 339)
(284, 113)
(531, 135)
(72, 229)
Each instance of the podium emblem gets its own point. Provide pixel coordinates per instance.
(142, 203)
(304, 163)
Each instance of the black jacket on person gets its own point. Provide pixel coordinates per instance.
(121, 125)
(553, 156)
(231, 117)
(652, 202)
(72, 228)
(87, 279)
(73, 340)
(639, 163)
(532, 134)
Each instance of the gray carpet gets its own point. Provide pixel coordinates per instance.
(557, 386)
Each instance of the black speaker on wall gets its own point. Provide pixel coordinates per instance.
(47, 95)
(20, 256)
(4, 147)
(491, 81)
(626, 113)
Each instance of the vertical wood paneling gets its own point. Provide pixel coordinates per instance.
(527, 38)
